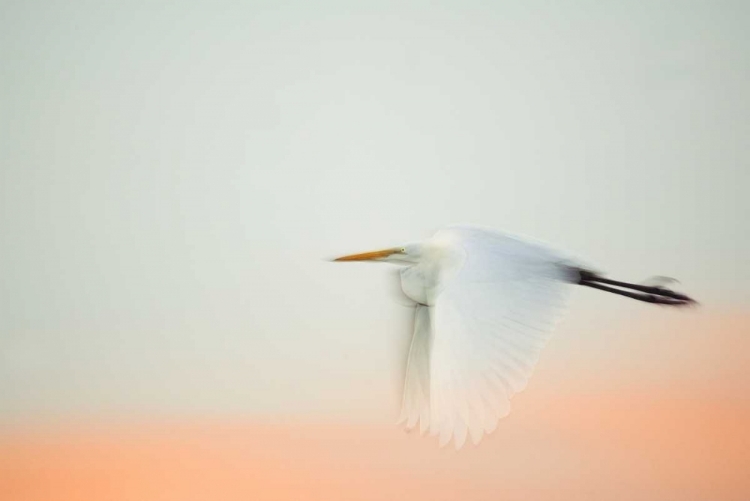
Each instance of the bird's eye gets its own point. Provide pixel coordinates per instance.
(403, 249)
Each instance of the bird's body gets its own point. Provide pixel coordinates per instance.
(486, 304)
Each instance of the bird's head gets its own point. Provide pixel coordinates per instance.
(404, 254)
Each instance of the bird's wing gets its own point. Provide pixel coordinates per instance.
(488, 327)
(415, 406)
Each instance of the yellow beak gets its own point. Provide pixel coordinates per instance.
(370, 256)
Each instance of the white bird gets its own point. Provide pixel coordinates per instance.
(486, 304)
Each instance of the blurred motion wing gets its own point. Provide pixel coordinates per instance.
(415, 407)
(487, 329)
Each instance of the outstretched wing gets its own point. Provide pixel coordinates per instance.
(487, 329)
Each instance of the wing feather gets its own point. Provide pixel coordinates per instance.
(487, 329)
(415, 407)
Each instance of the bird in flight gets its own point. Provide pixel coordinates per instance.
(486, 304)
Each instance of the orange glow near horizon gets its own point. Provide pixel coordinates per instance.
(601, 447)
(676, 438)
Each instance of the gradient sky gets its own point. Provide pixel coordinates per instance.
(173, 177)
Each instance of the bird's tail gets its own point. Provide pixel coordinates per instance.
(647, 293)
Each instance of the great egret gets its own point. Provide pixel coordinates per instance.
(486, 303)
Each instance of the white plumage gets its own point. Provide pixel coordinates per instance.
(490, 309)
(486, 304)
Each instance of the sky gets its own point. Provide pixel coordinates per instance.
(176, 176)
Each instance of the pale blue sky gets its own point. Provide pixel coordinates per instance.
(174, 175)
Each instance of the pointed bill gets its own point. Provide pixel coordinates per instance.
(371, 256)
